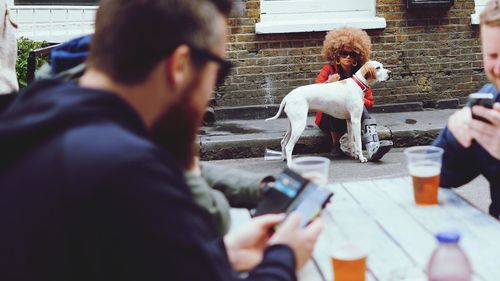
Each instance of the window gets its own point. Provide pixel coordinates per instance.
(54, 23)
(479, 6)
(282, 16)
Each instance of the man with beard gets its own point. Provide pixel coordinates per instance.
(472, 147)
(215, 188)
(87, 194)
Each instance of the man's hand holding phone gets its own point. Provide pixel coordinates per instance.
(479, 120)
(245, 246)
(487, 134)
(481, 100)
(301, 239)
(302, 201)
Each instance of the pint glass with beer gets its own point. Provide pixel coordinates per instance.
(348, 263)
(424, 165)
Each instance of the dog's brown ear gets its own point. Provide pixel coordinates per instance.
(370, 73)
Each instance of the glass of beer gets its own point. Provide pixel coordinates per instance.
(314, 168)
(424, 165)
(348, 263)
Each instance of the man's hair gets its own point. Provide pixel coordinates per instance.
(491, 14)
(132, 36)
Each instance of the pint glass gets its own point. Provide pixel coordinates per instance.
(314, 168)
(348, 263)
(424, 165)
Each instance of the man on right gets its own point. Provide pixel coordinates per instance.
(472, 147)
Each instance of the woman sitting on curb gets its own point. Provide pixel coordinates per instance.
(347, 49)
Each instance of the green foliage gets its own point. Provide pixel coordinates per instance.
(24, 46)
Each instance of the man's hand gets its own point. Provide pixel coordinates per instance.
(458, 124)
(487, 135)
(301, 240)
(245, 246)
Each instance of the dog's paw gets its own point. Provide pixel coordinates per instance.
(363, 159)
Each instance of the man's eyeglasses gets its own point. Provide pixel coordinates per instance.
(344, 54)
(205, 55)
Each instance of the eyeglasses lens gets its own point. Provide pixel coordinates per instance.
(345, 54)
(224, 65)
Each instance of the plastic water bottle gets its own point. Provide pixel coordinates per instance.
(449, 261)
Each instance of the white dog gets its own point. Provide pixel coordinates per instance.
(342, 99)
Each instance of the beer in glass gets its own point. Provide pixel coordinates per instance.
(348, 263)
(425, 183)
(424, 165)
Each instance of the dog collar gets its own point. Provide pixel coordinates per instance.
(362, 85)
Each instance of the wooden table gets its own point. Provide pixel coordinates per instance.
(381, 216)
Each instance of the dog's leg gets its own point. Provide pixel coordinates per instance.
(297, 130)
(356, 132)
(350, 140)
(285, 140)
(298, 120)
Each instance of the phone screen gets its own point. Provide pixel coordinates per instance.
(289, 183)
(311, 202)
(287, 187)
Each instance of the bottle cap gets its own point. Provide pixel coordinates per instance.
(448, 236)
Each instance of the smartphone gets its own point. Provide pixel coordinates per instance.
(310, 202)
(482, 99)
(288, 185)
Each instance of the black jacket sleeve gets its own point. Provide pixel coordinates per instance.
(458, 162)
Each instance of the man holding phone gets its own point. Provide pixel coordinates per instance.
(87, 192)
(472, 138)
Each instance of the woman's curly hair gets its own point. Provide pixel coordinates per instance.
(338, 39)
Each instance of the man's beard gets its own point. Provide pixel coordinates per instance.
(177, 128)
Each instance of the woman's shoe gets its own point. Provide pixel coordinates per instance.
(377, 150)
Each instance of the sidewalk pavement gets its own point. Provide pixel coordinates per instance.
(232, 139)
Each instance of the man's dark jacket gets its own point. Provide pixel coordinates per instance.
(85, 195)
(461, 165)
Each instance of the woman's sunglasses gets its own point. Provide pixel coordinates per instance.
(345, 54)
(205, 55)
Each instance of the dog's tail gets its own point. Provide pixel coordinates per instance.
(282, 105)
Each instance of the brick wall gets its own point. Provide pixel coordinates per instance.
(433, 54)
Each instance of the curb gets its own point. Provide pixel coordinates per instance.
(311, 142)
(265, 111)
(248, 138)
